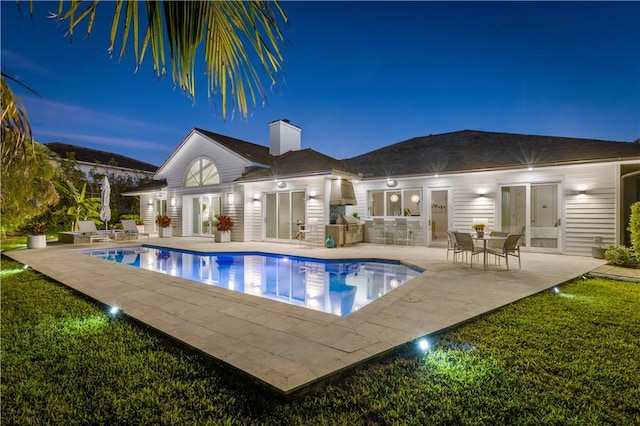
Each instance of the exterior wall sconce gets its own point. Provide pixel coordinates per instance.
(150, 201)
(256, 199)
(160, 195)
(391, 183)
(231, 198)
(281, 184)
(173, 201)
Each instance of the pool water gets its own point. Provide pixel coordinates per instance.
(335, 287)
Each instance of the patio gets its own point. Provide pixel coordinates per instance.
(289, 348)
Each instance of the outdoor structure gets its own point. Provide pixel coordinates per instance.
(559, 192)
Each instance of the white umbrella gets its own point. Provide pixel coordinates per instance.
(105, 198)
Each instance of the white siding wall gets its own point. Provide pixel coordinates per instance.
(229, 165)
(254, 216)
(583, 216)
(592, 214)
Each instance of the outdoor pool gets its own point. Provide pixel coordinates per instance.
(338, 287)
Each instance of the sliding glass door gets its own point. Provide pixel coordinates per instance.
(534, 210)
(284, 211)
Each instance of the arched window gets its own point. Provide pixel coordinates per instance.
(202, 172)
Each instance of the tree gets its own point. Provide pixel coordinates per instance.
(235, 34)
(27, 184)
(82, 207)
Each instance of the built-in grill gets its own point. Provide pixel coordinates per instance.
(347, 230)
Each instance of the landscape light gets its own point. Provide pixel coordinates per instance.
(114, 310)
(25, 267)
(556, 290)
(423, 344)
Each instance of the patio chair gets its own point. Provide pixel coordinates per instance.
(89, 230)
(378, 232)
(509, 248)
(496, 244)
(465, 245)
(129, 228)
(309, 232)
(451, 243)
(402, 231)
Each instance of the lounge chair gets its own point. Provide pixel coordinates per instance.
(89, 230)
(130, 229)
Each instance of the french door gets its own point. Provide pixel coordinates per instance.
(203, 211)
(440, 218)
(534, 210)
(284, 211)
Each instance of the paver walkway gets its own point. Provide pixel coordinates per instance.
(287, 347)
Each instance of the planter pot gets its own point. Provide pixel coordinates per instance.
(165, 232)
(36, 241)
(223, 237)
(480, 234)
(140, 229)
(598, 252)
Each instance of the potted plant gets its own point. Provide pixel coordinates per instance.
(479, 227)
(140, 225)
(224, 227)
(597, 251)
(38, 237)
(164, 223)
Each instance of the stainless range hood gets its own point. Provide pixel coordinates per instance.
(342, 193)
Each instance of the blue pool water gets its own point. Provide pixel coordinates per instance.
(336, 287)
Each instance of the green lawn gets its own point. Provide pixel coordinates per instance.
(567, 358)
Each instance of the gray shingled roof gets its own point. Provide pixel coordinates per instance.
(303, 162)
(251, 151)
(469, 150)
(94, 156)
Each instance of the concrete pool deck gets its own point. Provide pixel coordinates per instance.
(289, 348)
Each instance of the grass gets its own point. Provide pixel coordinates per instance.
(571, 358)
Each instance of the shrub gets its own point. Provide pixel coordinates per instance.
(225, 223)
(618, 255)
(634, 228)
(38, 228)
(163, 221)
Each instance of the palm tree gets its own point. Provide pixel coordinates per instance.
(16, 132)
(83, 207)
(234, 34)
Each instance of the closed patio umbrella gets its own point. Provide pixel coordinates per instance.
(105, 198)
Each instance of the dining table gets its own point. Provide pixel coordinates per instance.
(484, 240)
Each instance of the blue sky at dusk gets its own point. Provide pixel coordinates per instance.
(357, 76)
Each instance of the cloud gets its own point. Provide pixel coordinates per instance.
(75, 116)
(14, 62)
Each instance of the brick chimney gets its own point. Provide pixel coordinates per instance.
(283, 137)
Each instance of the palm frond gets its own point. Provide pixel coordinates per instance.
(17, 139)
(235, 35)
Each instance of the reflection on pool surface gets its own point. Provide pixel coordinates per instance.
(335, 287)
